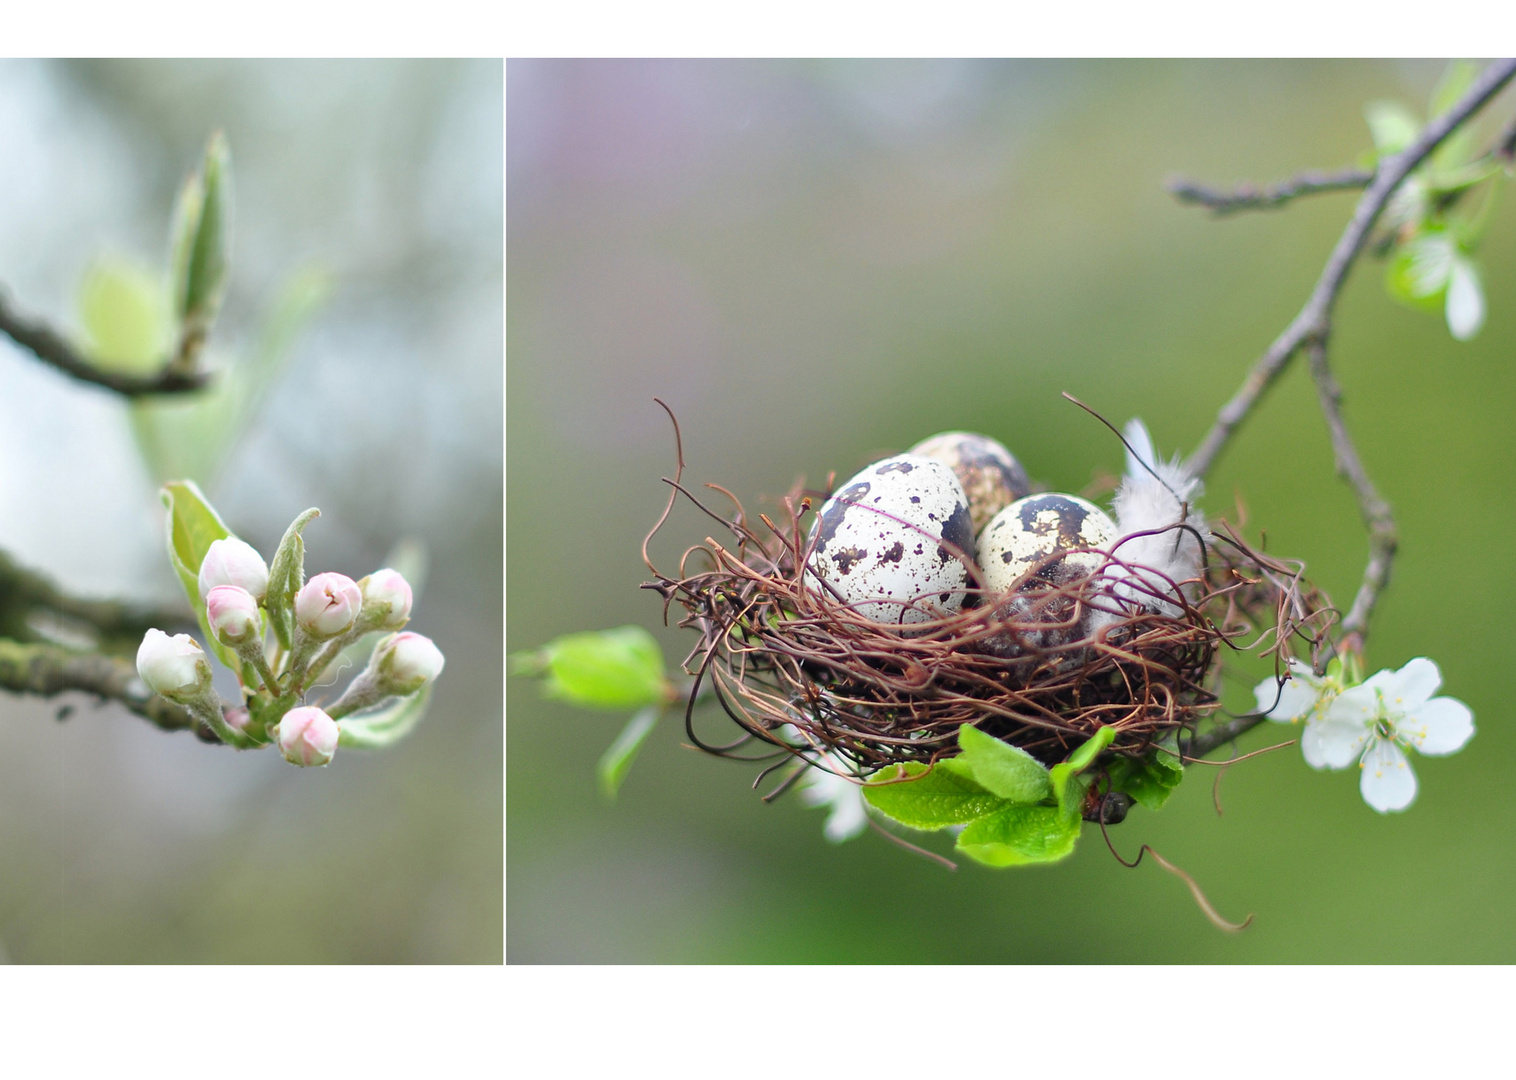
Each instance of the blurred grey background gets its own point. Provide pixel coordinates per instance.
(820, 263)
(123, 844)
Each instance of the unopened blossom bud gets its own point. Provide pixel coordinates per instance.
(237, 718)
(307, 736)
(386, 600)
(328, 605)
(407, 662)
(233, 614)
(230, 561)
(174, 667)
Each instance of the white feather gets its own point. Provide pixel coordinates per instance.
(1152, 504)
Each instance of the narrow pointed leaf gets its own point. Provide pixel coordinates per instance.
(617, 760)
(385, 726)
(285, 577)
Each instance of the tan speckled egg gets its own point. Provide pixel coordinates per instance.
(895, 542)
(991, 476)
(1033, 529)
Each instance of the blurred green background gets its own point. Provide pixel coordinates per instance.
(817, 264)
(124, 844)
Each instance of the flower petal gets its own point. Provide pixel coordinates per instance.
(823, 787)
(1440, 726)
(1388, 782)
(1284, 704)
(1411, 685)
(1328, 743)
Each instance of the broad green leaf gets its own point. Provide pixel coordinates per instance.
(192, 526)
(286, 574)
(1003, 770)
(1018, 835)
(1465, 301)
(125, 317)
(946, 794)
(617, 760)
(1393, 126)
(1150, 779)
(1419, 270)
(606, 669)
(385, 726)
(195, 435)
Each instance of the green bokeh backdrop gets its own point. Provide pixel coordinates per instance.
(816, 264)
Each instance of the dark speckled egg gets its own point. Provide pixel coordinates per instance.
(1033, 529)
(991, 476)
(895, 542)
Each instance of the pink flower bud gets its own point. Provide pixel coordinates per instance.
(175, 667)
(386, 600)
(233, 562)
(307, 736)
(407, 663)
(233, 614)
(328, 605)
(237, 718)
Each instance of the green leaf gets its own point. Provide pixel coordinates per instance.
(617, 760)
(125, 317)
(1004, 770)
(1393, 126)
(1465, 300)
(286, 574)
(1150, 779)
(605, 669)
(202, 257)
(193, 525)
(385, 726)
(1018, 835)
(1418, 272)
(946, 794)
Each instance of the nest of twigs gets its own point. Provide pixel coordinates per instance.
(795, 667)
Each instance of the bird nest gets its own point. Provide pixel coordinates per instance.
(1041, 667)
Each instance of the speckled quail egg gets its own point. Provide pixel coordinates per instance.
(1033, 529)
(991, 476)
(895, 542)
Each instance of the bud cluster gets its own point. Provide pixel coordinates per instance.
(282, 636)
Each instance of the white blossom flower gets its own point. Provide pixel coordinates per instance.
(1375, 723)
(823, 787)
(1304, 695)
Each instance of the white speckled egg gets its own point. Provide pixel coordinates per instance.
(991, 476)
(893, 541)
(1033, 529)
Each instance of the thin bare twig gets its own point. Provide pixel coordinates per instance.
(1377, 517)
(1253, 197)
(51, 348)
(1315, 319)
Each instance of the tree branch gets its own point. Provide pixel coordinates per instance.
(1252, 197)
(177, 375)
(24, 593)
(49, 670)
(1315, 319)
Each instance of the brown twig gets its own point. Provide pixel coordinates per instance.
(1377, 517)
(1314, 323)
(1253, 197)
(51, 348)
